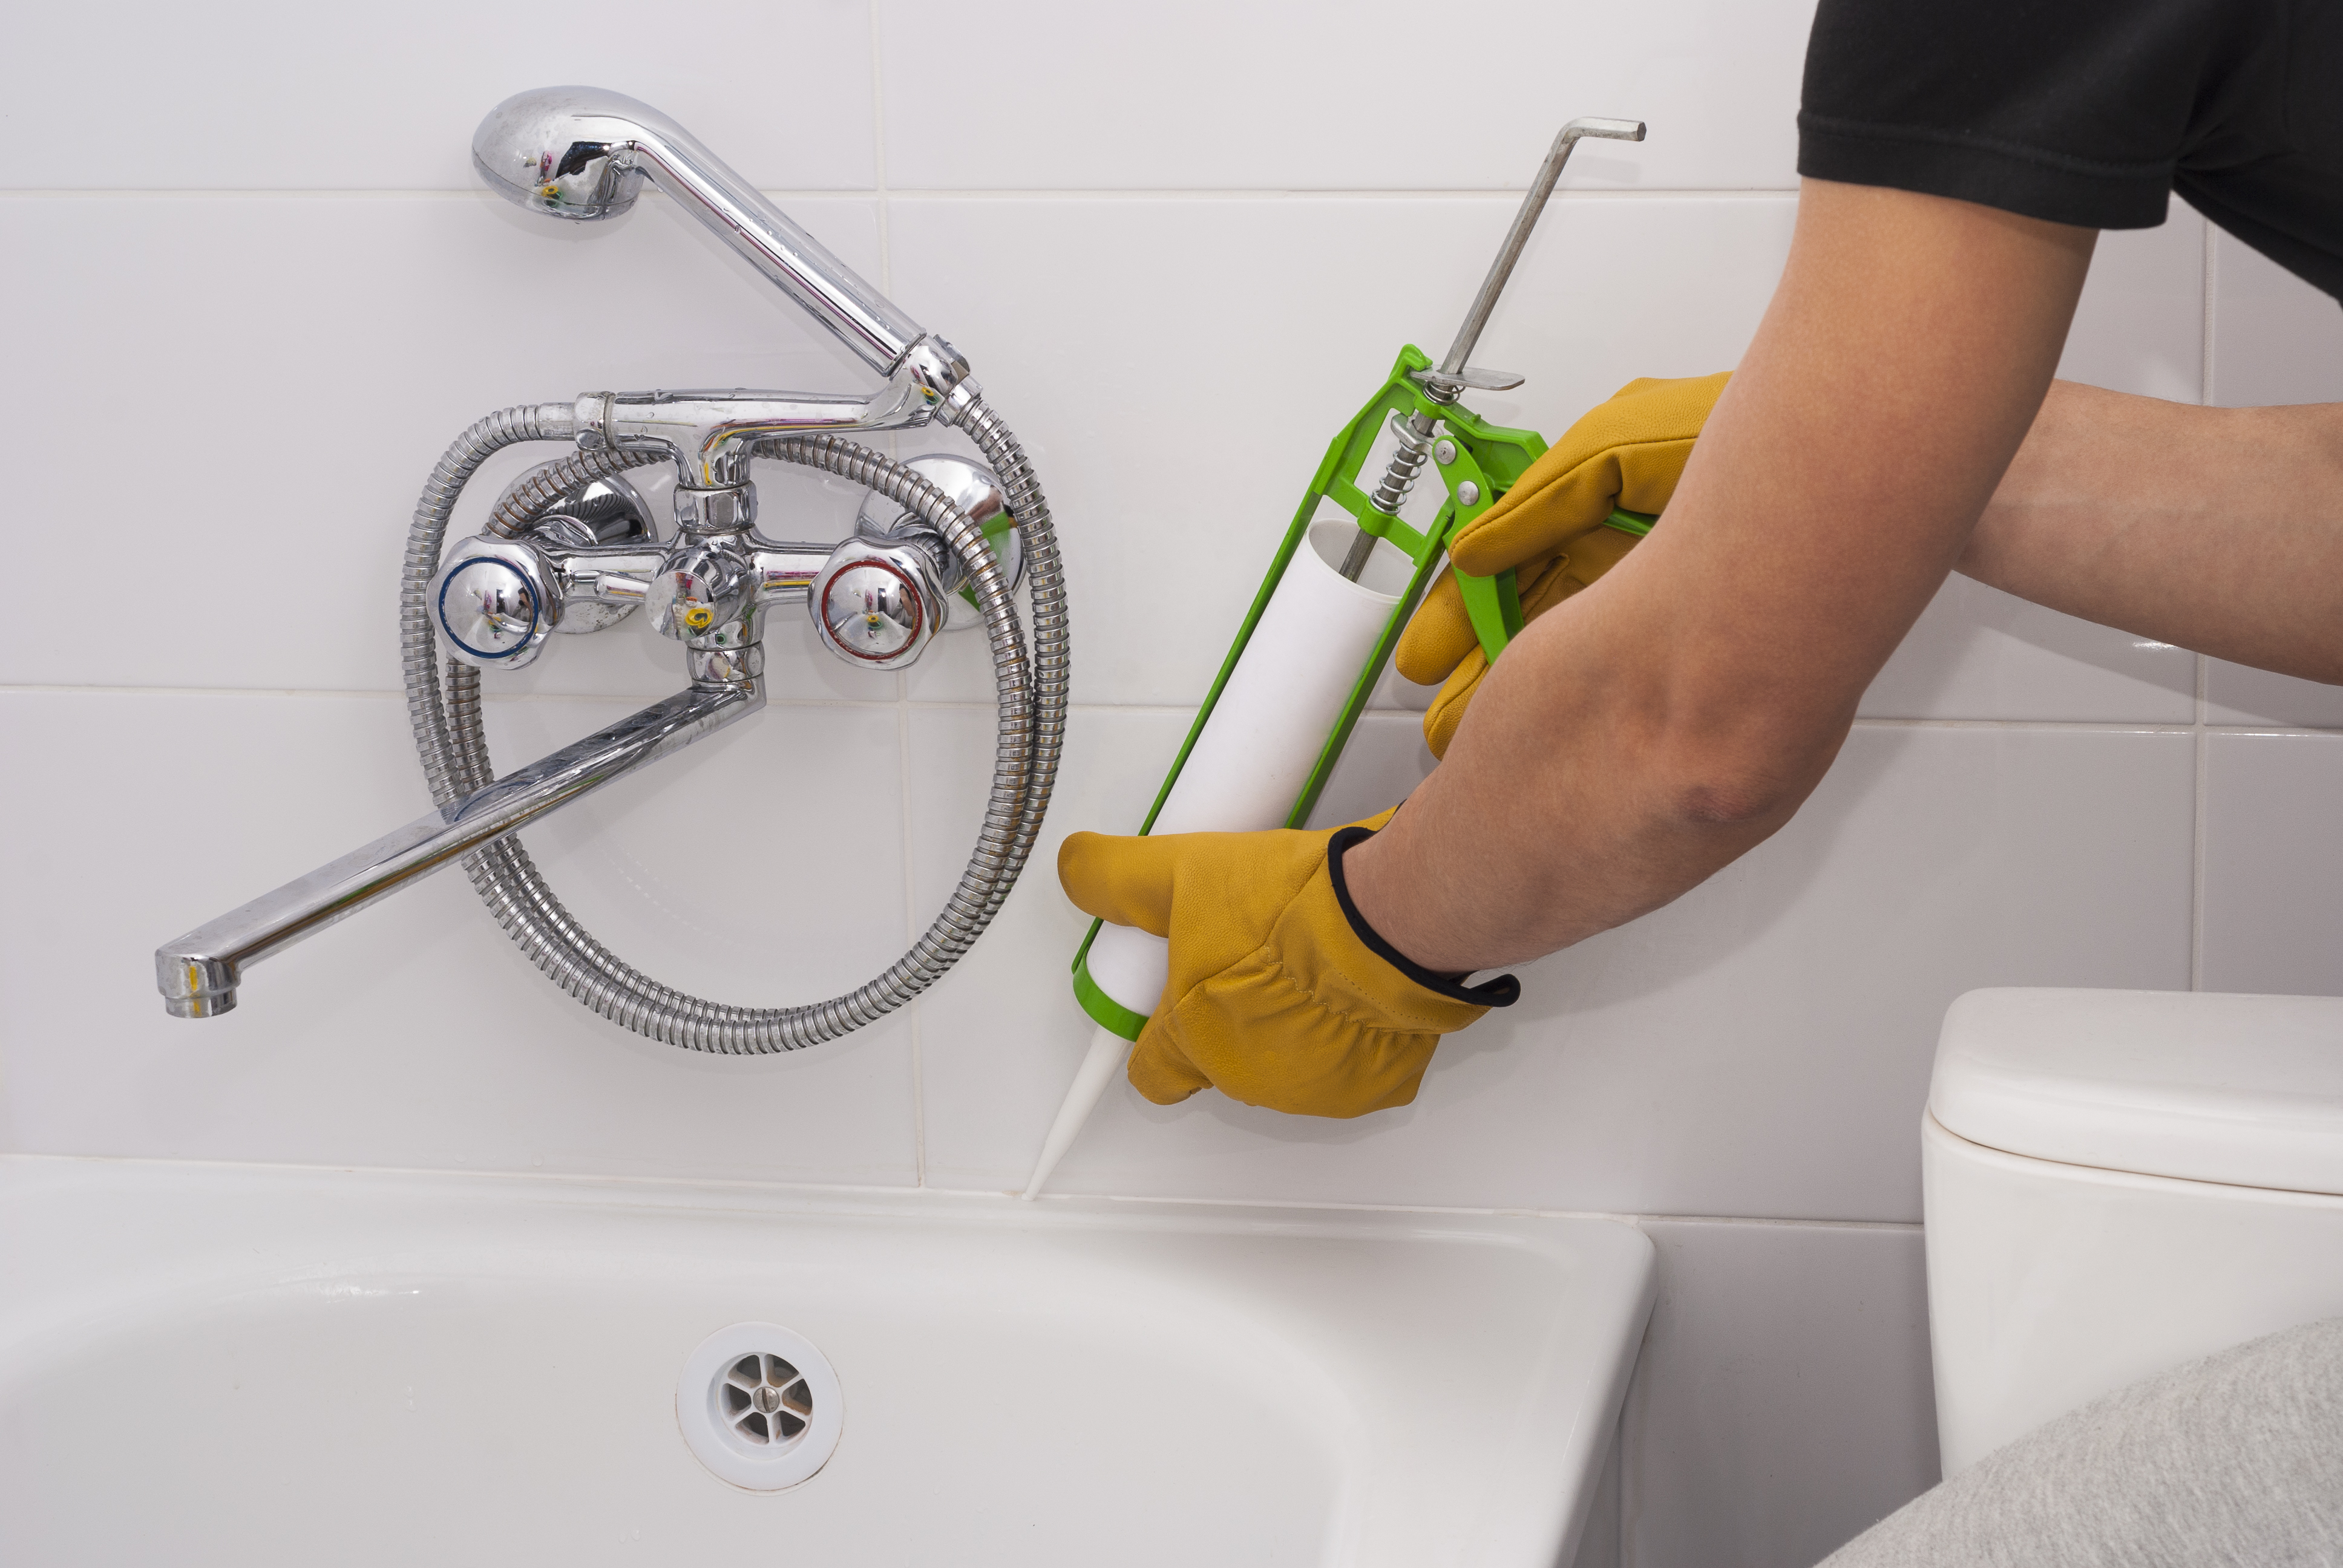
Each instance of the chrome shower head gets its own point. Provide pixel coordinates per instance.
(566, 151)
(583, 153)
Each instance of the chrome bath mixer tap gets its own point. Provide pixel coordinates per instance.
(572, 547)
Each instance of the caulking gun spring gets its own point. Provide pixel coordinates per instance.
(1407, 461)
(1413, 433)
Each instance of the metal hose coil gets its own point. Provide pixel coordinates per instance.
(1053, 651)
(453, 748)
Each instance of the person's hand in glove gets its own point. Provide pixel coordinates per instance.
(1279, 995)
(1548, 529)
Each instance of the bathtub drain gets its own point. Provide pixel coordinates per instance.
(760, 1406)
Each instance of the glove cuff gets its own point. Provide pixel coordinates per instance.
(1502, 991)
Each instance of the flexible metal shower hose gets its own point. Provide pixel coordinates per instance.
(1033, 698)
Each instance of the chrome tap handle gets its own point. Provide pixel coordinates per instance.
(582, 153)
(495, 601)
(877, 604)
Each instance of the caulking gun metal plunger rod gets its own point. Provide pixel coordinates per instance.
(1443, 385)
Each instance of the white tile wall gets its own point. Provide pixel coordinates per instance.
(2139, 326)
(1264, 324)
(1180, 257)
(421, 1037)
(1375, 95)
(1761, 1047)
(1783, 1404)
(399, 319)
(273, 95)
(2276, 339)
(2273, 863)
(1979, 653)
(2235, 694)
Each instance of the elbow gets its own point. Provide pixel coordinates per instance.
(1741, 783)
(1726, 798)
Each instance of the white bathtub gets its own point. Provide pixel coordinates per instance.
(248, 1365)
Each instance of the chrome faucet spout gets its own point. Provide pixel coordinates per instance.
(199, 972)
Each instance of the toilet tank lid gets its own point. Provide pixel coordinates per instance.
(2201, 1086)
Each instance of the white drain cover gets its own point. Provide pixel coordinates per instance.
(760, 1406)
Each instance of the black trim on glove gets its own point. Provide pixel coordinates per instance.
(1502, 991)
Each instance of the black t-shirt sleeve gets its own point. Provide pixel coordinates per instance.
(2074, 111)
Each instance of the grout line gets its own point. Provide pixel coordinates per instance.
(2196, 829)
(1171, 709)
(777, 193)
(1624, 1217)
(403, 193)
(1762, 1219)
(911, 935)
(343, 694)
(879, 158)
(2205, 381)
(897, 1190)
(2202, 759)
(2119, 726)
(902, 682)
(1328, 193)
(486, 198)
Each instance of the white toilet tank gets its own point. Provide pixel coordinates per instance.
(2119, 1181)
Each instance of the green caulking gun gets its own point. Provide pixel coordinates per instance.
(1321, 630)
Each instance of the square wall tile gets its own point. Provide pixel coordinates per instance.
(1976, 652)
(2240, 694)
(1599, 1542)
(2276, 338)
(1000, 1034)
(2140, 325)
(414, 1033)
(264, 94)
(1176, 417)
(1384, 763)
(764, 866)
(2273, 864)
(1760, 1047)
(1783, 1403)
(1223, 96)
(351, 339)
(1979, 653)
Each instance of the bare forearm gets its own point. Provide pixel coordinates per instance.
(1657, 726)
(2216, 530)
(1578, 796)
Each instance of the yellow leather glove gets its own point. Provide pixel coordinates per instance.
(1548, 529)
(1279, 995)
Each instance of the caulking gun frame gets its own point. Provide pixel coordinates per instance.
(1484, 461)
